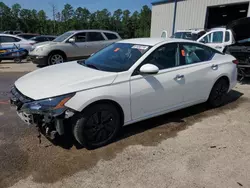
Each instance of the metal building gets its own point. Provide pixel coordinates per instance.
(195, 14)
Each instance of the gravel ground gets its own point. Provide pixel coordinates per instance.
(194, 147)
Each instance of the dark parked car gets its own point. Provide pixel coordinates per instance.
(43, 38)
(28, 35)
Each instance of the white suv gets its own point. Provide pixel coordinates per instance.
(72, 45)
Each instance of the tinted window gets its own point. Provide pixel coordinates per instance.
(164, 57)
(26, 36)
(111, 36)
(50, 38)
(227, 37)
(5, 39)
(117, 57)
(80, 37)
(194, 53)
(95, 36)
(217, 37)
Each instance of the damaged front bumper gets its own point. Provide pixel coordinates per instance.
(48, 114)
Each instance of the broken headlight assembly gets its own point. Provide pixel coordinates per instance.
(53, 106)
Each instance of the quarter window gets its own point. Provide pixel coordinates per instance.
(194, 53)
(95, 36)
(111, 36)
(227, 37)
(164, 57)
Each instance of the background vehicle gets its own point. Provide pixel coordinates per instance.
(27, 35)
(72, 45)
(126, 82)
(43, 38)
(8, 41)
(240, 48)
(12, 32)
(190, 34)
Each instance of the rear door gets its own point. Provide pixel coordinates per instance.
(199, 71)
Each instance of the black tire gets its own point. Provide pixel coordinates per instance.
(59, 55)
(97, 126)
(218, 93)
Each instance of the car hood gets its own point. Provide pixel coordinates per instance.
(62, 79)
(240, 28)
(47, 43)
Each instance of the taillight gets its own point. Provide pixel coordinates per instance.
(236, 62)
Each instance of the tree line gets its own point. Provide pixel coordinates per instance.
(127, 24)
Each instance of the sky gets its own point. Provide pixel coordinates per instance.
(92, 5)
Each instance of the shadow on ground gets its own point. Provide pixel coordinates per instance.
(171, 123)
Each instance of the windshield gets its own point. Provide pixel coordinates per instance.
(64, 36)
(117, 57)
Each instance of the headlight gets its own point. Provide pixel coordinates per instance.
(39, 49)
(49, 105)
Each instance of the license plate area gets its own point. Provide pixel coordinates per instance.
(27, 118)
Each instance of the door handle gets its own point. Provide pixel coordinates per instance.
(214, 67)
(179, 77)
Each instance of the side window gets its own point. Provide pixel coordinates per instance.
(207, 38)
(111, 36)
(164, 57)
(227, 37)
(217, 37)
(6, 39)
(80, 37)
(194, 53)
(95, 36)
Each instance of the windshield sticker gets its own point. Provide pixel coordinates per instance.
(140, 47)
(117, 49)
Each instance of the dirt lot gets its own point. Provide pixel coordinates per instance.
(192, 148)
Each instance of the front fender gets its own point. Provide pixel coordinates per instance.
(119, 93)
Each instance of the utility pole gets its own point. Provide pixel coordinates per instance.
(175, 9)
(54, 16)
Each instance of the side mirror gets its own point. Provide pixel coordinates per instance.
(149, 69)
(202, 41)
(72, 40)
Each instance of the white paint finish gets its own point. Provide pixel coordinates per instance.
(190, 14)
(62, 79)
(155, 93)
(139, 96)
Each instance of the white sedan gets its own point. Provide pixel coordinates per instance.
(8, 41)
(126, 82)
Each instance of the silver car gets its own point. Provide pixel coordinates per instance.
(72, 45)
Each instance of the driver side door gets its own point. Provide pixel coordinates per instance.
(214, 39)
(153, 94)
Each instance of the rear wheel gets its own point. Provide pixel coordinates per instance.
(218, 93)
(97, 126)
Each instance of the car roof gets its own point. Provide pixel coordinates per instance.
(8, 35)
(152, 41)
(93, 30)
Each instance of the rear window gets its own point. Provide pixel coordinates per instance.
(111, 36)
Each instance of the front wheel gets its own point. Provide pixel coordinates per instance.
(55, 58)
(218, 93)
(97, 126)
